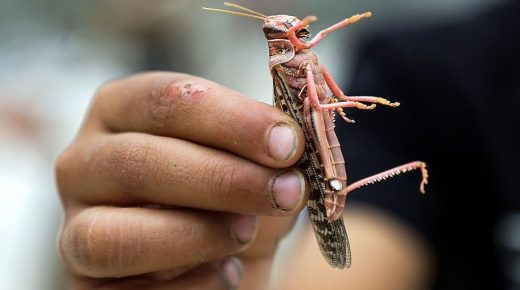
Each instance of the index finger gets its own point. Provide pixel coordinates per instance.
(194, 109)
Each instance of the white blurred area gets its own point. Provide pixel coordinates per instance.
(54, 54)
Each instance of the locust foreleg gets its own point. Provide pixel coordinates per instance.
(298, 44)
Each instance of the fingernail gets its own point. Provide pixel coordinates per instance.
(282, 142)
(244, 227)
(233, 270)
(288, 189)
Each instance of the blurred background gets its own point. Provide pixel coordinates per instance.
(55, 53)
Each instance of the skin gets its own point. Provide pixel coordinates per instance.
(174, 182)
(170, 184)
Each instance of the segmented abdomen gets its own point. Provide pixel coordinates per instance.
(331, 236)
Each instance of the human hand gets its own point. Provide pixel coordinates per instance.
(177, 182)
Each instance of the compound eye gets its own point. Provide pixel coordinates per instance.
(272, 30)
(303, 33)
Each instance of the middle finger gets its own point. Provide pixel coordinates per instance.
(135, 168)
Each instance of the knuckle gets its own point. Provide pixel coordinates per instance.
(161, 102)
(129, 161)
(62, 168)
(167, 99)
(94, 245)
(103, 94)
(103, 91)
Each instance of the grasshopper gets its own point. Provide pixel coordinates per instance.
(301, 85)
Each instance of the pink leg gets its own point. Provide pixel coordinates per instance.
(347, 104)
(315, 99)
(374, 100)
(353, 19)
(351, 104)
(344, 116)
(391, 173)
(314, 117)
(312, 93)
(336, 90)
(333, 86)
(291, 33)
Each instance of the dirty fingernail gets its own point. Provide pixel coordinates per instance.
(288, 190)
(233, 270)
(282, 142)
(244, 227)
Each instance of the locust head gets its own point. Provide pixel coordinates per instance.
(278, 26)
(285, 34)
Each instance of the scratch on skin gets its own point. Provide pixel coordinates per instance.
(165, 97)
(189, 90)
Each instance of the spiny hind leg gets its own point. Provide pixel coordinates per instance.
(415, 165)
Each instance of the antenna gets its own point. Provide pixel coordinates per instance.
(244, 9)
(253, 14)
